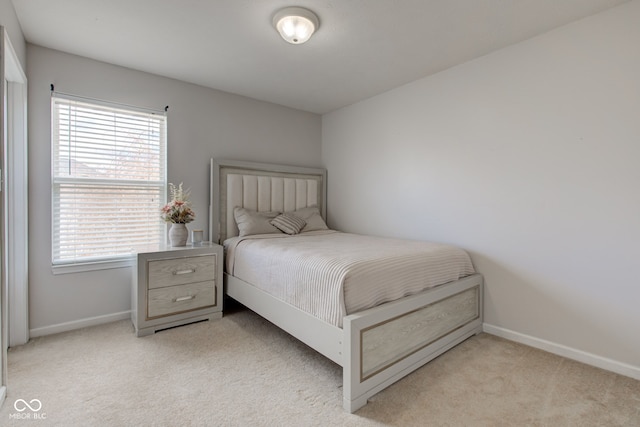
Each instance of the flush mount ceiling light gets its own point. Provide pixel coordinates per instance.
(295, 24)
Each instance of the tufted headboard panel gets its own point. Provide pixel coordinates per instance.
(260, 187)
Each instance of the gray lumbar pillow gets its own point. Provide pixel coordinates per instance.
(288, 223)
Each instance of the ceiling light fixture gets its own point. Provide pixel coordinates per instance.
(296, 24)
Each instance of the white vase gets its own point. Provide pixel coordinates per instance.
(178, 234)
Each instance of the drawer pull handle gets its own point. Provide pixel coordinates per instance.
(191, 270)
(187, 298)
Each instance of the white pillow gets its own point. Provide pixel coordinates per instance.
(313, 218)
(251, 222)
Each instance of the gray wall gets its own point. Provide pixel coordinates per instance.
(202, 123)
(528, 158)
(9, 21)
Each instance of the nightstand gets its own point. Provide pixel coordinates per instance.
(176, 286)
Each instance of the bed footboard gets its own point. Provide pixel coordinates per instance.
(387, 342)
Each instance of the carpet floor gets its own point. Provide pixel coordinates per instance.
(243, 371)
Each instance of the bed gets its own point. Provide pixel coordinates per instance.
(377, 343)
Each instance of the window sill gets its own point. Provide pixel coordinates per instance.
(92, 266)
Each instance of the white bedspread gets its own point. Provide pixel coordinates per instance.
(331, 274)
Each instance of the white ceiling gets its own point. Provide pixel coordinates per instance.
(363, 47)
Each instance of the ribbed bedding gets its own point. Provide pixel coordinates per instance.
(330, 274)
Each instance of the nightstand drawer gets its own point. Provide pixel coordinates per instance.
(179, 271)
(176, 299)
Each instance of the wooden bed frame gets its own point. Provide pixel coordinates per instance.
(375, 347)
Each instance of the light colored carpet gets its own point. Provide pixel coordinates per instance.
(243, 371)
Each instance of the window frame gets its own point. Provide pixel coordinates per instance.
(114, 261)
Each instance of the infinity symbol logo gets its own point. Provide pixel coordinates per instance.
(21, 405)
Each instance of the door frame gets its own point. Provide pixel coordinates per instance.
(14, 322)
(16, 198)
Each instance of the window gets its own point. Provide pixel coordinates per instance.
(109, 180)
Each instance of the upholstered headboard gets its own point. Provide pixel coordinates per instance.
(261, 187)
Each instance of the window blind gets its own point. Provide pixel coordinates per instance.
(109, 180)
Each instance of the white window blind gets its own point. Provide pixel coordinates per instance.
(109, 180)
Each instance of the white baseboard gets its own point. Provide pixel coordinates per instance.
(77, 324)
(564, 351)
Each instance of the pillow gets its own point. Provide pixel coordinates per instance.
(251, 222)
(288, 223)
(313, 218)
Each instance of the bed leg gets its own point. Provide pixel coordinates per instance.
(353, 405)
